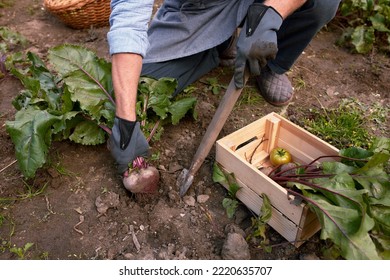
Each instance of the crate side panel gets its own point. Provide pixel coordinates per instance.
(306, 230)
(308, 216)
(278, 221)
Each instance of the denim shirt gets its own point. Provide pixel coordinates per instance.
(180, 27)
(129, 21)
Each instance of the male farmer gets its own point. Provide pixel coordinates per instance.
(187, 38)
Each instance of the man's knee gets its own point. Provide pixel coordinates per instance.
(324, 10)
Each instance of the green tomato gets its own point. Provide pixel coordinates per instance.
(279, 156)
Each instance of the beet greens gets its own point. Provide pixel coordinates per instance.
(74, 100)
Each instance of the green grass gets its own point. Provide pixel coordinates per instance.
(347, 125)
(6, 3)
(31, 191)
(6, 225)
(250, 96)
(299, 83)
(56, 164)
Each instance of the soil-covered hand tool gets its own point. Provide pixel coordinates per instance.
(224, 109)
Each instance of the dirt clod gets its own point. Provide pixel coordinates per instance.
(235, 248)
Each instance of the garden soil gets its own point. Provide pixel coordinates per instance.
(76, 206)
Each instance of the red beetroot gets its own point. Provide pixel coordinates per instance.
(142, 178)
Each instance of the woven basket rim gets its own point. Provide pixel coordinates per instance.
(57, 5)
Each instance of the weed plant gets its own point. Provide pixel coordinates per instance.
(365, 24)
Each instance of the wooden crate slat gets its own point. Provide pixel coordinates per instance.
(272, 126)
(308, 227)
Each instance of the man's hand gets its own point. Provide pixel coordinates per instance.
(126, 143)
(257, 42)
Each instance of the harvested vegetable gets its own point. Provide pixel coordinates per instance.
(279, 156)
(142, 177)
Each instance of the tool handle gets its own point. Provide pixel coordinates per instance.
(223, 111)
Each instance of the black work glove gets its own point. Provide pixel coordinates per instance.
(127, 142)
(257, 42)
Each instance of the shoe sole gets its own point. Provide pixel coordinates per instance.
(278, 104)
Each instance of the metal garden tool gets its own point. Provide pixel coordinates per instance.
(224, 109)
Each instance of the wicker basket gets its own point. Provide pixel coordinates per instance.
(80, 14)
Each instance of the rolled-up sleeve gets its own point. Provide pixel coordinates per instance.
(128, 26)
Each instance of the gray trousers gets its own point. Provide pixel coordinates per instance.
(294, 35)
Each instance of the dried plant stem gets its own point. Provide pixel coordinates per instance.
(10, 164)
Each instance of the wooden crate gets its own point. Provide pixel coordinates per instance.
(294, 222)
